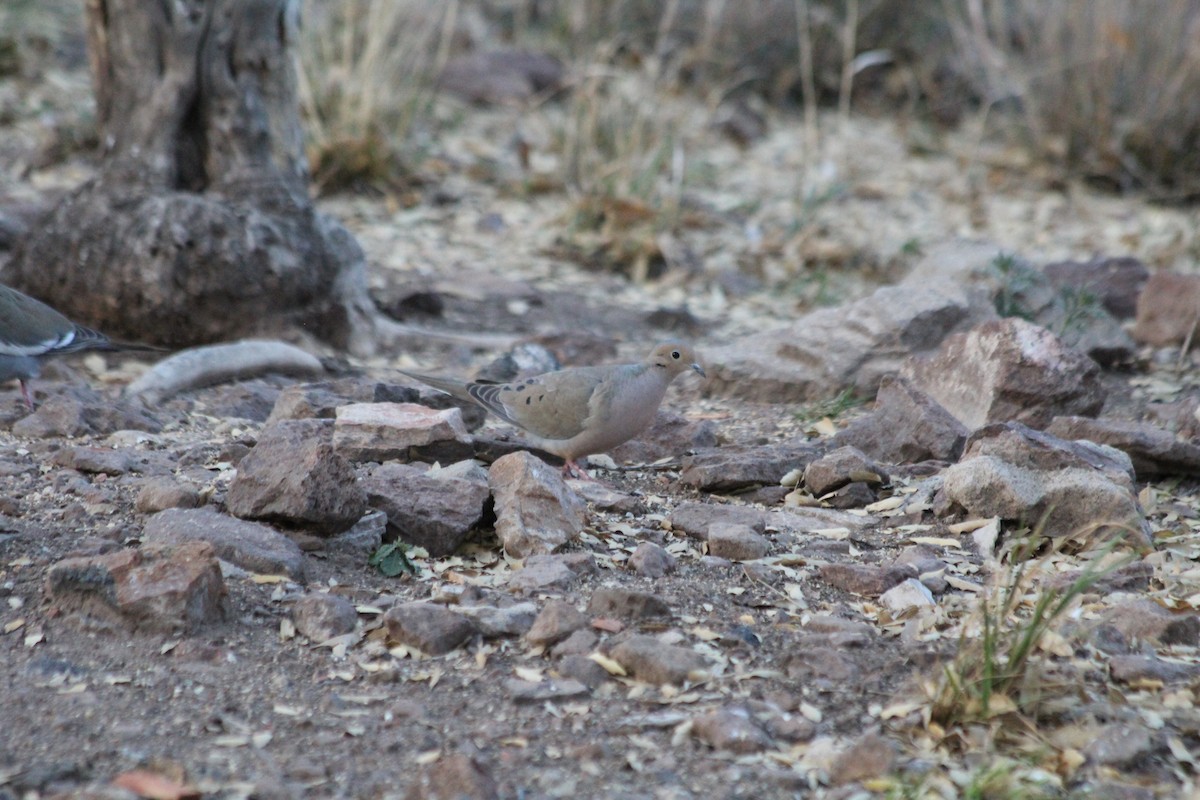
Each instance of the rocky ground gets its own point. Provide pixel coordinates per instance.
(772, 594)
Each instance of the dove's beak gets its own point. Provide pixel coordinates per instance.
(700, 369)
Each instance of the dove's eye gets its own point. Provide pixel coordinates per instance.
(675, 354)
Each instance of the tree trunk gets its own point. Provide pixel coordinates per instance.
(199, 226)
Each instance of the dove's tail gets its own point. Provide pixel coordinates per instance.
(450, 386)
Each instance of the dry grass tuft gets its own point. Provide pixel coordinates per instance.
(1106, 86)
(366, 82)
(999, 670)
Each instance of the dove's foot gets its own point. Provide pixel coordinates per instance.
(573, 470)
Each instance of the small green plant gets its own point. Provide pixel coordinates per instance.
(1014, 279)
(832, 407)
(1080, 307)
(392, 559)
(994, 673)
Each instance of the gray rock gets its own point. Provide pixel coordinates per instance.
(1120, 745)
(626, 604)
(1154, 452)
(496, 621)
(1065, 502)
(1166, 309)
(556, 621)
(1025, 447)
(864, 579)
(249, 545)
(363, 538)
(550, 689)
(602, 498)
(536, 512)
(696, 518)
(732, 728)
(160, 588)
(321, 400)
(1116, 282)
(1008, 370)
(386, 431)
(823, 667)
(906, 595)
(870, 756)
(727, 469)
(840, 467)
(158, 494)
(434, 509)
(541, 575)
(579, 643)
(652, 561)
(851, 346)
(736, 542)
(905, 427)
(1136, 668)
(432, 629)
(650, 660)
(1146, 621)
(584, 670)
(454, 776)
(294, 477)
(320, 616)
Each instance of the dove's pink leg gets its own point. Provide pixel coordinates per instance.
(25, 394)
(573, 470)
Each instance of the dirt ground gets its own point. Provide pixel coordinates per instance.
(244, 710)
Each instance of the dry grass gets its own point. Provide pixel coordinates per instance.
(1107, 86)
(999, 670)
(366, 82)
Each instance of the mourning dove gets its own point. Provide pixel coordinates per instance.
(30, 331)
(579, 411)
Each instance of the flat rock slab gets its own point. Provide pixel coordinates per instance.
(294, 476)
(648, 659)
(627, 604)
(320, 616)
(433, 509)
(1069, 502)
(1166, 309)
(731, 728)
(840, 467)
(557, 620)
(851, 346)
(1154, 452)
(696, 519)
(906, 426)
(250, 545)
(536, 512)
(160, 588)
(1009, 370)
(387, 431)
(432, 629)
(736, 542)
(728, 469)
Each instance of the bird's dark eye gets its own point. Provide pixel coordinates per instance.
(675, 354)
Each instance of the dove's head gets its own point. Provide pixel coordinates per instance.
(675, 358)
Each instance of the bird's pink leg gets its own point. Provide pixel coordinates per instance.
(25, 394)
(573, 470)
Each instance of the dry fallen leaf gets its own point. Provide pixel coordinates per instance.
(151, 785)
(610, 666)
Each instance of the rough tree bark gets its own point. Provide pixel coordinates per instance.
(199, 226)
